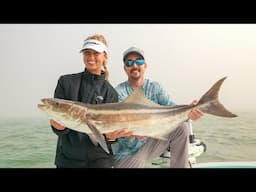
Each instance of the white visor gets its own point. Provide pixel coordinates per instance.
(95, 45)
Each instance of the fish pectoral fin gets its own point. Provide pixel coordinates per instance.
(93, 140)
(98, 136)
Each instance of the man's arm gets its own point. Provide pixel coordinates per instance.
(164, 99)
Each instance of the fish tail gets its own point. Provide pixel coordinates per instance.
(213, 105)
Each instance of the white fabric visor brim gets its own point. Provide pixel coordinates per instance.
(96, 47)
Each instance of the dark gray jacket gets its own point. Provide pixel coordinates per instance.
(75, 149)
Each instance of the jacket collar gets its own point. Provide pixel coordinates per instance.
(90, 76)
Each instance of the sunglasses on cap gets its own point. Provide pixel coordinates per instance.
(138, 62)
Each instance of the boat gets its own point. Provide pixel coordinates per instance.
(197, 148)
(228, 164)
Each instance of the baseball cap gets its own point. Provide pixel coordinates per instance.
(133, 50)
(95, 45)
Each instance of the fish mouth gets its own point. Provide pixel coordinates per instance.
(40, 106)
(45, 101)
(45, 105)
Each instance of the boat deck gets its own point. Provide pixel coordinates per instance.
(164, 163)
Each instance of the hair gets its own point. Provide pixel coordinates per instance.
(101, 38)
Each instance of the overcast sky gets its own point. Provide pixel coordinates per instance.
(185, 58)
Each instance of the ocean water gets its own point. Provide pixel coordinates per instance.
(227, 139)
(30, 142)
(26, 143)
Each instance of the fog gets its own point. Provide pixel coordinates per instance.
(185, 58)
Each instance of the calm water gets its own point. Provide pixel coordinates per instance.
(30, 143)
(227, 139)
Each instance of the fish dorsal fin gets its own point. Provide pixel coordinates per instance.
(138, 97)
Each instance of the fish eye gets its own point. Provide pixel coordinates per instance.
(56, 104)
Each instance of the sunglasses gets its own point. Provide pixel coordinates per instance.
(138, 62)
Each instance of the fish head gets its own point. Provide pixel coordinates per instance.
(55, 107)
(63, 110)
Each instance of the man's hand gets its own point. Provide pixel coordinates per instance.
(195, 113)
(56, 125)
(112, 136)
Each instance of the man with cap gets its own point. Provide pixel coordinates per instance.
(76, 149)
(135, 152)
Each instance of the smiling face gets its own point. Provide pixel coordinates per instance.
(135, 72)
(94, 60)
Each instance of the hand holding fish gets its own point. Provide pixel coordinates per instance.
(56, 125)
(112, 136)
(195, 113)
(140, 116)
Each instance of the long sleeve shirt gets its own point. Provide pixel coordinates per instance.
(155, 92)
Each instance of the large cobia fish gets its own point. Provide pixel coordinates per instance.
(136, 113)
